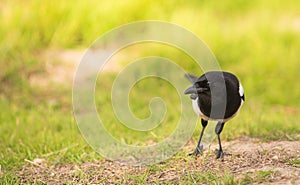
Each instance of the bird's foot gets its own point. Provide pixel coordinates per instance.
(221, 154)
(197, 151)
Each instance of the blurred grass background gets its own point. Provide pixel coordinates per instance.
(257, 40)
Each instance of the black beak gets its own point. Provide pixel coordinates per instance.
(194, 90)
(191, 90)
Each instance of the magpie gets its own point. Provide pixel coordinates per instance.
(216, 96)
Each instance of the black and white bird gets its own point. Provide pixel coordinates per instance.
(216, 96)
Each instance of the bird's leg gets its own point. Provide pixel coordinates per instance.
(199, 147)
(218, 130)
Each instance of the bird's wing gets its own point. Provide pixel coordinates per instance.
(191, 78)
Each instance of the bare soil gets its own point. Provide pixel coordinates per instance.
(61, 66)
(278, 162)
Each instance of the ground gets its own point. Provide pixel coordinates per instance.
(250, 160)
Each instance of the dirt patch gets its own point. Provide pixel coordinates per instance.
(251, 161)
(61, 66)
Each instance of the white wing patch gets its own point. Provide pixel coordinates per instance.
(241, 90)
(196, 107)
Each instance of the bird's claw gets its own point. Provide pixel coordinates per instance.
(220, 154)
(197, 151)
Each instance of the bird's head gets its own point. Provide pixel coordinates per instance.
(198, 87)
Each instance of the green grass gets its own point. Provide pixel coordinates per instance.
(257, 40)
(294, 162)
(258, 176)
